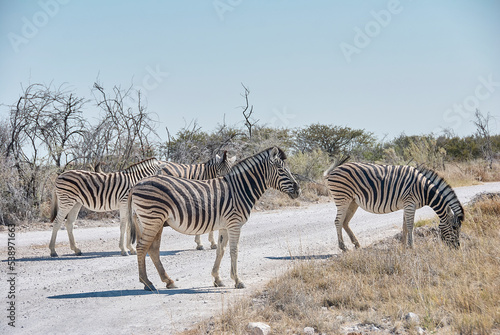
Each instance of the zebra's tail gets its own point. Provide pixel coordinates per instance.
(337, 163)
(131, 219)
(54, 207)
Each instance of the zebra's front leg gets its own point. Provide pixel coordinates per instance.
(221, 246)
(409, 217)
(234, 237)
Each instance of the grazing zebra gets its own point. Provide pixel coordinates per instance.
(215, 167)
(197, 207)
(97, 191)
(388, 188)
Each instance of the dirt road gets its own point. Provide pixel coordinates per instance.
(99, 292)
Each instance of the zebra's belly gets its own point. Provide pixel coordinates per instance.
(379, 208)
(192, 227)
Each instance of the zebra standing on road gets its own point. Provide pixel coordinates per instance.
(197, 207)
(387, 188)
(97, 191)
(215, 167)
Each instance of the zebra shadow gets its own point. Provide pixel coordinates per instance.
(88, 255)
(137, 292)
(301, 258)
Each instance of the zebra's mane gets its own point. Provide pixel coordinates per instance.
(443, 187)
(141, 164)
(257, 157)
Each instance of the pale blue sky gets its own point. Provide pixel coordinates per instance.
(304, 61)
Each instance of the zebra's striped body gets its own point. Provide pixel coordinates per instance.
(215, 167)
(100, 192)
(197, 207)
(388, 188)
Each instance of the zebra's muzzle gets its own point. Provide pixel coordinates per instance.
(294, 194)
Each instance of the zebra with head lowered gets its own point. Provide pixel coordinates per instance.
(387, 188)
(197, 207)
(97, 191)
(215, 167)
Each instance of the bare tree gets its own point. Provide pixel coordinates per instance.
(247, 113)
(125, 130)
(483, 133)
(42, 123)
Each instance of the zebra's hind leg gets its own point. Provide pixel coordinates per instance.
(70, 222)
(197, 239)
(339, 223)
(154, 252)
(143, 246)
(123, 231)
(349, 214)
(62, 213)
(213, 245)
(221, 246)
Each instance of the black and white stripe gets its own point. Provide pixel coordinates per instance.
(197, 207)
(97, 191)
(216, 167)
(388, 188)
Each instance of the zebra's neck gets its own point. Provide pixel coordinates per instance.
(438, 201)
(248, 181)
(444, 191)
(140, 170)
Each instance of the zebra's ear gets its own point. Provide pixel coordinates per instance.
(232, 160)
(277, 153)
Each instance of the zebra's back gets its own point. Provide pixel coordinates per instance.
(375, 188)
(96, 191)
(189, 171)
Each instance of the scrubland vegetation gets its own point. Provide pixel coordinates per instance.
(372, 290)
(47, 132)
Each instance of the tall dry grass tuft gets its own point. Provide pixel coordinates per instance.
(470, 173)
(451, 291)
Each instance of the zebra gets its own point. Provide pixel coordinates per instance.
(387, 188)
(97, 191)
(215, 167)
(199, 206)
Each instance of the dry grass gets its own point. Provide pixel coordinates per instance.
(452, 291)
(470, 173)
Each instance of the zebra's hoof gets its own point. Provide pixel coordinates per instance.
(54, 254)
(133, 252)
(219, 284)
(124, 253)
(149, 287)
(171, 285)
(78, 253)
(213, 246)
(239, 285)
(200, 247)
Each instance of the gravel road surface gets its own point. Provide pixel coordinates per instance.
(99, 292)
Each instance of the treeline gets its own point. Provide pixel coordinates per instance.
(47, 132)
